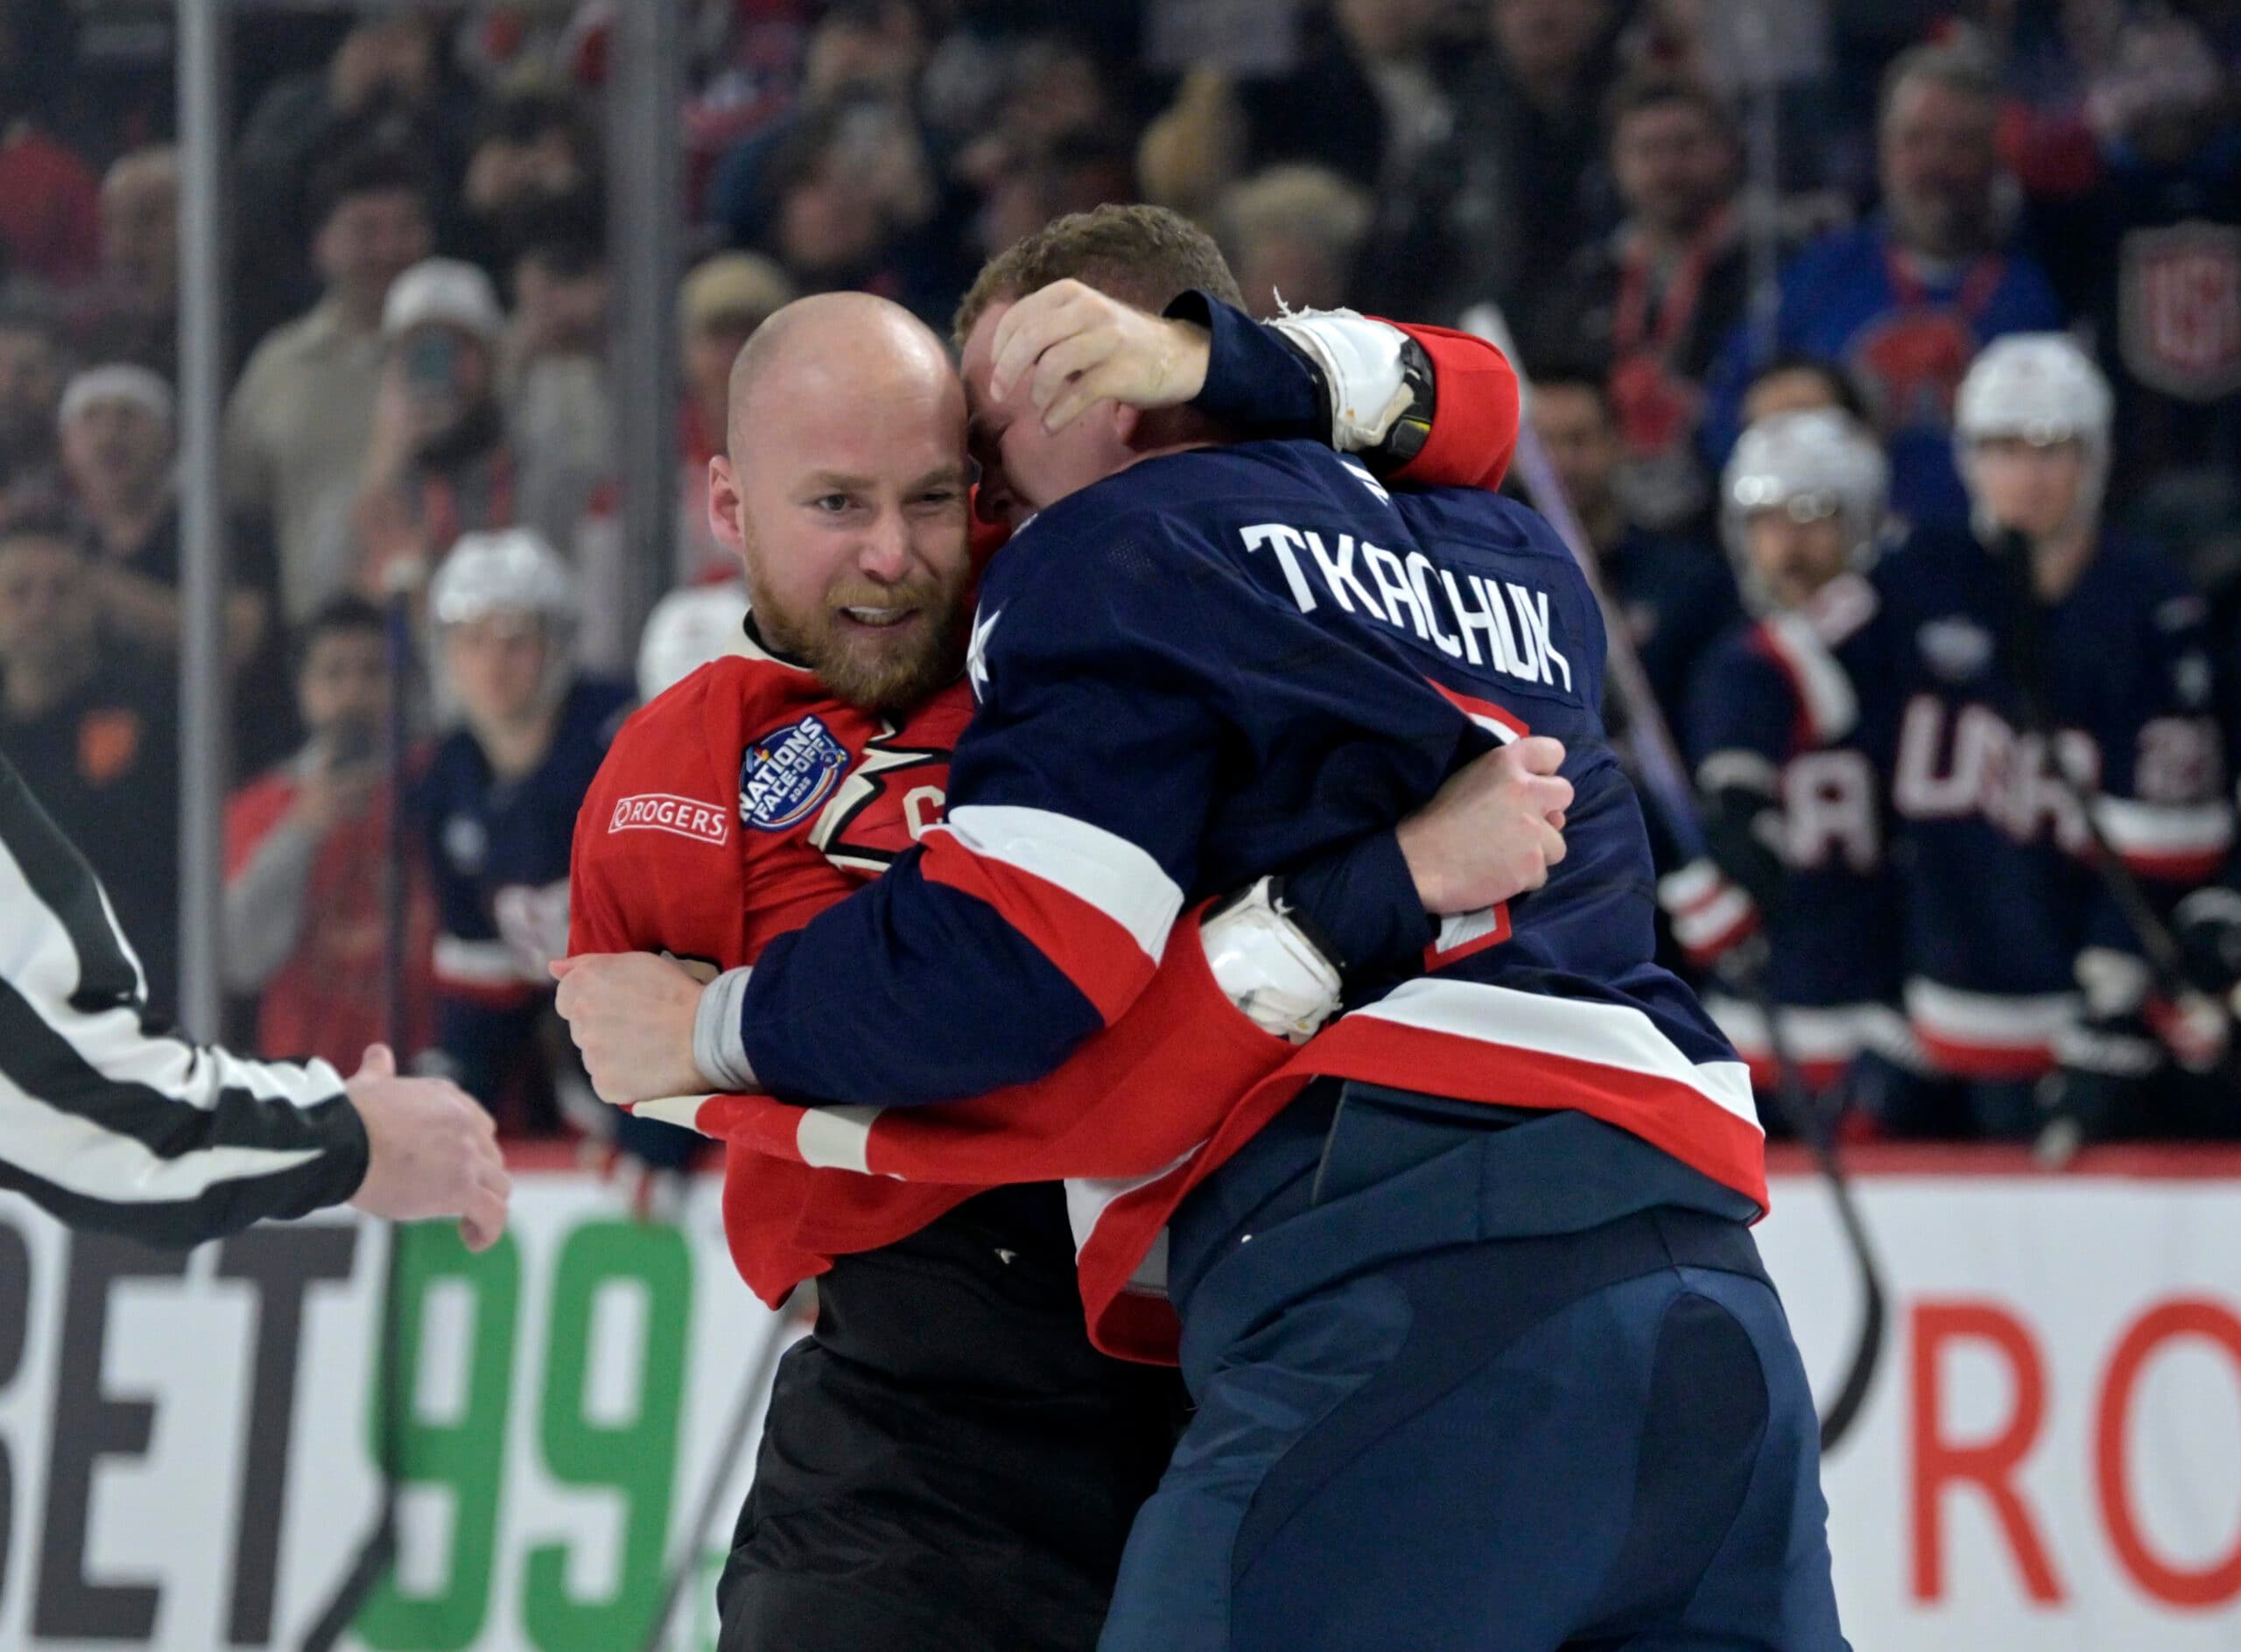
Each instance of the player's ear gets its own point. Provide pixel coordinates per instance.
(723, 503)
(1127, 424)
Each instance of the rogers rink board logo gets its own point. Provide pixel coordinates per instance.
(784, 775)
(659, 811)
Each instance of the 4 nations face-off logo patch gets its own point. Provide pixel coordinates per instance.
(787, 773)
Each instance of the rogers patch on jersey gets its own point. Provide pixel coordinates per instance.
(787, 773)
(659, 811)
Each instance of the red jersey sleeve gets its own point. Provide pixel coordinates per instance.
(1474, 417)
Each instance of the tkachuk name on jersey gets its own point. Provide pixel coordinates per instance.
(1465, 616)
(787, 773)
(659, 811)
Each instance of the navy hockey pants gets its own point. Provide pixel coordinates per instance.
(1558, 1443)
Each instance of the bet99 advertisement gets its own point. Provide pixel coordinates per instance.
(2049, 1459)
(188, 1440)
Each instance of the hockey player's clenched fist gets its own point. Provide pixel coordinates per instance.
(1492, 832)
(631, 1015)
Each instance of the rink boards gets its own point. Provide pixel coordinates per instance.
(2050, 1459)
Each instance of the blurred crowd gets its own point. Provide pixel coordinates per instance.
(1679, 223)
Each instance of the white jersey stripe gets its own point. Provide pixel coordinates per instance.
(476, 963)
(1990, 1021)
(1097, 867)
(37, 958)
(1831, 708)
(1814, 1034)
(1577, 1029)
(80, 1155)
(837, 1138)
(2157, 828)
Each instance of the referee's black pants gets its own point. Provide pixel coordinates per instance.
(947, 1465)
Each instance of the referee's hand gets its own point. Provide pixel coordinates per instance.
(430, 1152)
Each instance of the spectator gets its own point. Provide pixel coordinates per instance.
(1051, 137)
(1798, 384)
(720, 303)
(1653, 301)
(297, 427)
(49, 197)
(1366, 102)
(531, 149)
(1076, 172)
(1907, 300)
(92, 728)
(387, 87)
(1521, 177)
(846, 194)
(861, 51)
(32, 363)
(1675, 595)
(131, 312)
(2149, 253)
(442, 461)
(553, 375)
(498, 808)
(308, 861)
(118, 445)
(1292, 235)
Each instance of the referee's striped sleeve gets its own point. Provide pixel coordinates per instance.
(110, 1123)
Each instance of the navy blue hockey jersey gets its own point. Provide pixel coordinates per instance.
(499, 852)
(1212, 666)
(2006, 921)
(1796, 707)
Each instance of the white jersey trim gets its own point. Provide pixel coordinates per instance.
(476, 963)
(38, 959)
(1097, 867)
(837, 1138)
(1575, 1029)
(1989, 1020)
(2135, 828)
(1831, 707)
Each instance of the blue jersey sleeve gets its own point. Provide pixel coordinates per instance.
(1038, 909)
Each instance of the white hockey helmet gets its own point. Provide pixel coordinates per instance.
(2039, 386)
(506, 571)
(1815, 462)
(688, 628)
(2042, 388)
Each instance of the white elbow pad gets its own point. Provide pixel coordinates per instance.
(1363, 368)
(1268, 964)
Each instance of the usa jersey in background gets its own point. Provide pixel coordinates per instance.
(1801, 706)
(498, 853)
(1214, 664)
(2006, 918)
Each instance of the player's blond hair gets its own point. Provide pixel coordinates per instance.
(1141, 255)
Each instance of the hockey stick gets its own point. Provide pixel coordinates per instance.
(2010, 548)
(1664, 780)
(377, 1552)
(800, 1312)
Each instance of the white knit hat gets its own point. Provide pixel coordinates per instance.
(116, 382)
